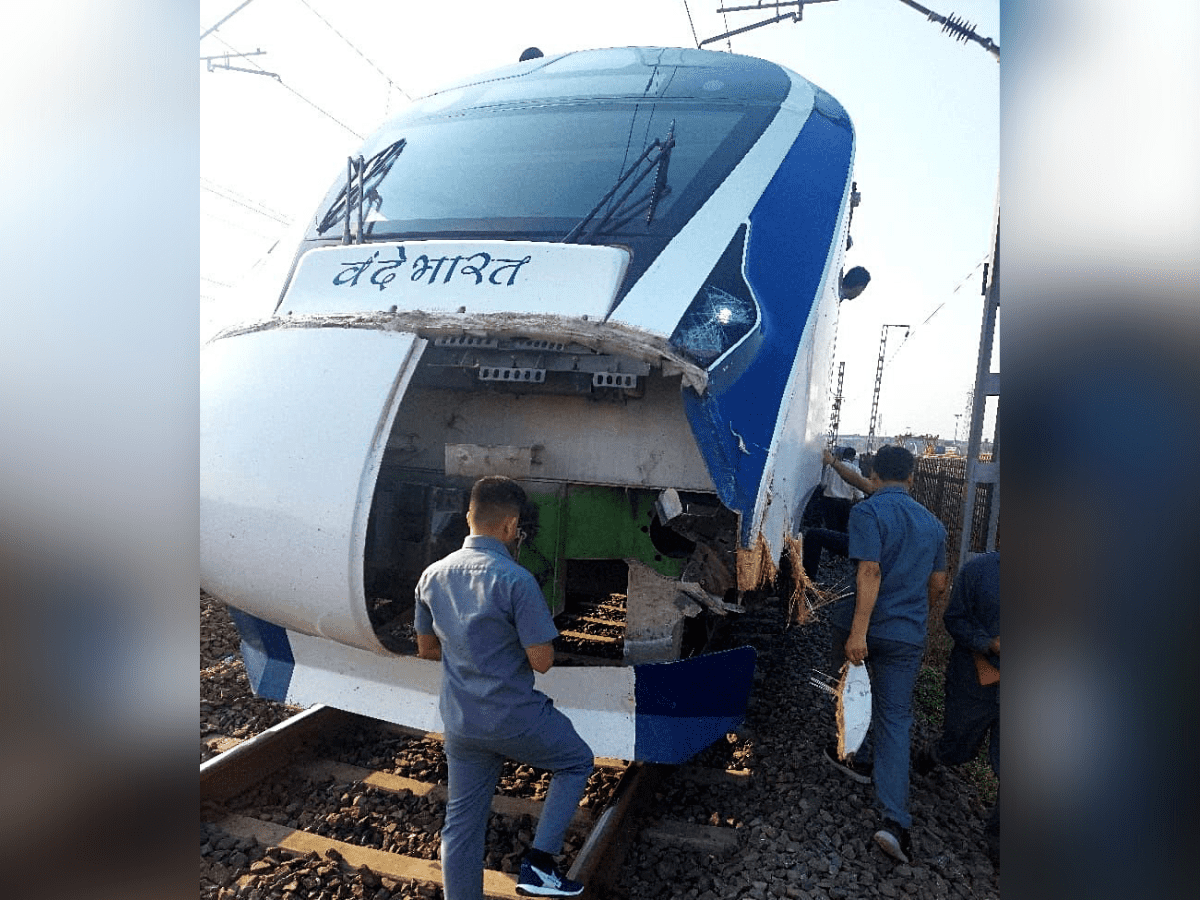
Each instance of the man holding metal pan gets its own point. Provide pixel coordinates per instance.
(900, 548)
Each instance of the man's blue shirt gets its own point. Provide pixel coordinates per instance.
(973, 615)
(485, 609)
(909, 543)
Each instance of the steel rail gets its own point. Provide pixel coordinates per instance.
(243, 766)
(293, 741)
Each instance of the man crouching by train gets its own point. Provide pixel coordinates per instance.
(484, 617)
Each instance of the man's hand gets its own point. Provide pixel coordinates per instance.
(994, 646)
(541, 657)
(935, 588)
(856, 648)
(826, 457)
(867, 582)
(429, 647)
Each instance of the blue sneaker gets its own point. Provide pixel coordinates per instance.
(537, 882)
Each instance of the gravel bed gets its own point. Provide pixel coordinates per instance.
(804, 829)
(613, 608)
(423, 759)
(273, 873)
(353, 813)
(228, 708)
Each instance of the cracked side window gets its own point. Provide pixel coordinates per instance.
(723, 311)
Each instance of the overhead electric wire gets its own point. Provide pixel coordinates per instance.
(936, 310)
(959, 28)
(281, 221)
(934, 313)
(228, 190)
(233, 197)
(224, 20)
(969, 275)
(356, 50)
(296, 92)
(695, 37)
(238, 225)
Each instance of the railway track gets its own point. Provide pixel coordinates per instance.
(328, 804)
(299, 821)
(303, 810)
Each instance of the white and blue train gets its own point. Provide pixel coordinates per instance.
(613, 275)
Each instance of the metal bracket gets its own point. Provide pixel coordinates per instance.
(795, 16)
(552, 346)
(512, 374)
(613, 380)
(224, 64)
(466, 340)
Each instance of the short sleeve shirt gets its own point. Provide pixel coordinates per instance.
(837, 487)
(485, 609)
(909, 543)
(973, 615)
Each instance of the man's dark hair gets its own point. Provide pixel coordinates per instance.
(864, 463)
(848, 453)
(493, 497)
(893, 463)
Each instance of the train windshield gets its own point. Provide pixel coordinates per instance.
(537, 172)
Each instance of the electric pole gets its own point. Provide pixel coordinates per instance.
(879, 381)
(835, 417)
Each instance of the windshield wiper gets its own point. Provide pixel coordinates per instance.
(625, 210)
(362, 182)
(660, 188)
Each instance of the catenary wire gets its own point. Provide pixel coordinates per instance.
(695, 37)
(294, 91)
(224, 20)
(238, 225)
(936, 310)
(356, 50)
(228, 190)
(227, 194)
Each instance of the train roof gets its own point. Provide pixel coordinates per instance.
(621, 73)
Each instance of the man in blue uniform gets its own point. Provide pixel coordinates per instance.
(901, 552)
(485, 618)
(972, 708)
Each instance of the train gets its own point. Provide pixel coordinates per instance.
(612, 275)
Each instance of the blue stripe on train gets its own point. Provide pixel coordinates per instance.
(792, 228)
(682, 707)
(267, 653)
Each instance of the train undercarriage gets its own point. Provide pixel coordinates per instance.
(621, 502)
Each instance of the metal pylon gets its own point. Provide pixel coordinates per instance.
(835, 417)
(987, 384)
(878, 384)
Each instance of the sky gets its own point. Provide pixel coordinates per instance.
(925, 109)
